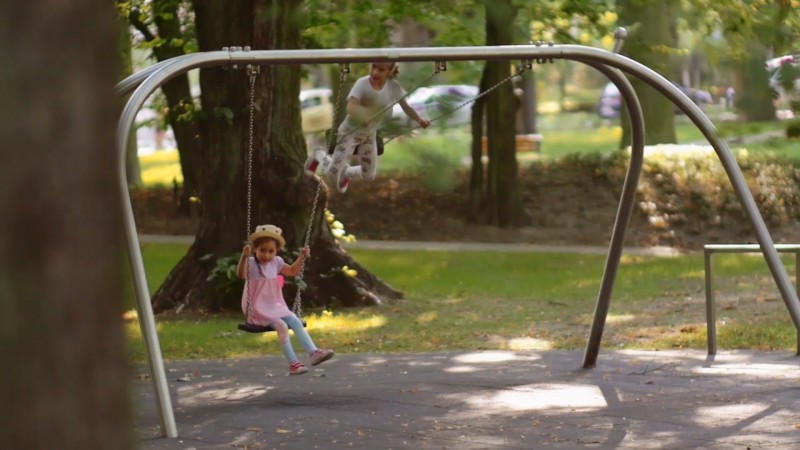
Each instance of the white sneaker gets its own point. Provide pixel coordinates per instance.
(326, 160)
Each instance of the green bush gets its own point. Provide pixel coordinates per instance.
(224, 279)
(793, 129)
(691, 188)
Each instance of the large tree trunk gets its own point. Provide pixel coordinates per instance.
(281, 193)
(64, 379)
(167, 22)
(504, 206)
(751, 81)
(477, 196)
(653, 35)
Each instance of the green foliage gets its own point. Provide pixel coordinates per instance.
(695, 183)
(224, 278)
(434, 158)
(793, 129)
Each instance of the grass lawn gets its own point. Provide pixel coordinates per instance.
(487, 300)
(494, 300)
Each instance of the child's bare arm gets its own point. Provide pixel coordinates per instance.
(357, 112)
(294, 269)
(241, 269)
(413, 115)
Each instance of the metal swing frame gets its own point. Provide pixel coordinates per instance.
(610, 63)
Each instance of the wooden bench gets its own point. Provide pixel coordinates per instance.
(524, 143)
(710, 249)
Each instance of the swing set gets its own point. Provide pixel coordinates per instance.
(610, 63)
(333, 140)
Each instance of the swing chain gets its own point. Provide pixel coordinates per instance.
(519, 71)
(297, 306)
(253, 72)
(344, 70)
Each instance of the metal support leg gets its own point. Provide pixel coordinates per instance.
(711, 312)
(797, 289)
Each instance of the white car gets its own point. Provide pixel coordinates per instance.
(439, 103)
(316, 109)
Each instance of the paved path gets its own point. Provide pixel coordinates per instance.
(482, 400)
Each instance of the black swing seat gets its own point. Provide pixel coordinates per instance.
(253, 328)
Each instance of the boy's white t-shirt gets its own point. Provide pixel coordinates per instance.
(374, 101)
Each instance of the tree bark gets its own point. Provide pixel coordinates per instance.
(751, 81)
(653, 35)
(477, 196)
(504, 205)
(281, 193)
(177, 91)
(64, 378)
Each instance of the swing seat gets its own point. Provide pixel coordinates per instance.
(253, 328)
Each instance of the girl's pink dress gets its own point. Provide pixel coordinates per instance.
(266, 298)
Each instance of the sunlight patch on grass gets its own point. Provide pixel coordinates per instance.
(620, 318)
(160, 168)
(529, 343)
(162, 175)
(328, 321)
(427, 317)
(130, 315)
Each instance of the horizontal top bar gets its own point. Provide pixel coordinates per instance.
(747, 248)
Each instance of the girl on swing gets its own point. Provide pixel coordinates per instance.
(263, 300)
(367, 104)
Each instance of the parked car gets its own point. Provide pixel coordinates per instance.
(439, 102)
(610, 101)
(608, 104)
(316, 109)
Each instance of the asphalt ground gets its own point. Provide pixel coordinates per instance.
(481, 400)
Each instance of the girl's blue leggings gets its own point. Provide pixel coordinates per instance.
(299, 331)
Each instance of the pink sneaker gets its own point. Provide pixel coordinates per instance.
(297, 368)
(319, 356)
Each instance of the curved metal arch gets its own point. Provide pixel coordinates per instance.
(146, 83)
(624, 210)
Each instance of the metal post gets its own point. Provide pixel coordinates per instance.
(797, 290)
(624, 212)
(711, 312)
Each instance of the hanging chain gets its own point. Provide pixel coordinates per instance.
(344, 70)
(297, 308)
(252, 71)
(525, 66)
